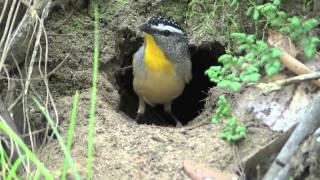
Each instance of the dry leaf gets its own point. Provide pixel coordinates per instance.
(197, 171)
(282, 42)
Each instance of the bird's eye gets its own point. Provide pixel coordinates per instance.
(166, 32)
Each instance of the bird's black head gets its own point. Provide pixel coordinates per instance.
(162, 25)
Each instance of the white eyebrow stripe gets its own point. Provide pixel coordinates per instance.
(163, 27)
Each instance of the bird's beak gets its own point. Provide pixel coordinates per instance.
(145, 27)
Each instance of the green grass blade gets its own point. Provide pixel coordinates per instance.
(14, 168)
(60, 139)
(9, 132)
(71, 132)
(36, 175)
(93, 93)
(3, 162)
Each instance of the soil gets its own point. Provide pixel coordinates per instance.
(124, 149)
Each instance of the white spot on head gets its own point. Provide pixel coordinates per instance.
(162, 27)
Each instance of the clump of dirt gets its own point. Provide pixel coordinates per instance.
(123, 148)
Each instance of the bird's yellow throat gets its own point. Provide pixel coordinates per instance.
(154, 58)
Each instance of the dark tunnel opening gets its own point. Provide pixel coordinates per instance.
(187, 106)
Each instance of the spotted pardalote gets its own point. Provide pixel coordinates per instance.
(162, 65)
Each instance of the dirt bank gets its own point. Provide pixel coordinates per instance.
(124, 149)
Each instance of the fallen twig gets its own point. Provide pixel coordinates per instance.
(277, 85)
(314, 148)
(308, 124)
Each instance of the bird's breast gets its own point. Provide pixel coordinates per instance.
(154, 57)
(160, 84)
(158, 87)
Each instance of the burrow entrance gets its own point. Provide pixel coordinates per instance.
(187, 106)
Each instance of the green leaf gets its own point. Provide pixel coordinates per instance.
(255, 14)
(310, 24)
(234, 2)
(243, 47)
(285, 29)
(276, 2)
(276, 53)
(282, 14)
(214, 120)
(277, 22)
(252, 69)
(310, 46)
(261, 45)
(250, 56)
(248, 12)
(253, 77)
(251, 74)
(269, 10)
(234, 131)
(240, 61)
(235, 86)
(250, 39)
(224, 84)
(265, 57)
(260, 7)
(295, 22)
(239, 36)
(272, 68)
(225, 58)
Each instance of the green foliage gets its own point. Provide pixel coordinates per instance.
(295, 27)
(62, 144)
(236, 70)
(268, 12)
(41, 172)
(93, 97)
(70, 133)
(7, 166)
(246, 68)
(233, 130)
(6, 130)
(122, 2)
(223, 110)
(299, 30)
(212, 19)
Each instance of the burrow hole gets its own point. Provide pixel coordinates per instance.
(187, 106)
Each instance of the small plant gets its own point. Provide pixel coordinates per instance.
(234, 129)
(223, 110)
(296, 28)
(299, 30)
(239, 69)
(269, 13)
(236, 70)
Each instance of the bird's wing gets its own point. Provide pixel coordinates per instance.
(137, 63)
(184, 66)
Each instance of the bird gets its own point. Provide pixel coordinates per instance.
(162, 65)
